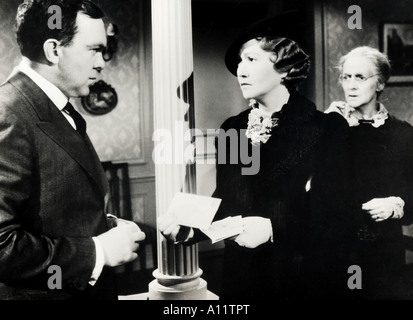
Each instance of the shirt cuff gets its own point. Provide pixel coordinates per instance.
(398, 211)
(100, 261)
(112, 220)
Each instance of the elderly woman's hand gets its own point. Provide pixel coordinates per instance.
(171, 230)
(258, 230)
(381, 209)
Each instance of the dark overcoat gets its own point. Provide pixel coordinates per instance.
(278, 192)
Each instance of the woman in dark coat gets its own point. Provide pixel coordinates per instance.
(275, 198)
(283, 133)
(266, 261)
(361, 224)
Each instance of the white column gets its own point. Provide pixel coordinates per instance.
(178, 273)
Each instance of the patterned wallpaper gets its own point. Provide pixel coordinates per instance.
(339, 39)
(117, 135)
(9, 51)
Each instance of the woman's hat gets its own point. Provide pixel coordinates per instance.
(289, 24)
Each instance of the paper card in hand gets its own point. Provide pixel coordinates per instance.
(194, 210)
(225, 228)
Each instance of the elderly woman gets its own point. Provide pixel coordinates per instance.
(286, 130)
(361, 225)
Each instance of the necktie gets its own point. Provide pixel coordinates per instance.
(77, 118)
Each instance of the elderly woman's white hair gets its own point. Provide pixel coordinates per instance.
(380, 60)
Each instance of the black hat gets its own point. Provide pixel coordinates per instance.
(289, 24)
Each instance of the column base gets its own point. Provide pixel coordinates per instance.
(145, 296)
(195, 289)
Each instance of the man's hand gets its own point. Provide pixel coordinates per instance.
(121, 243)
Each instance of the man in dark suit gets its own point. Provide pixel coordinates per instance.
(56, 241)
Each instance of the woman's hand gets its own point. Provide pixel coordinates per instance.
(258, 230)
(171, 230)
(381, 209)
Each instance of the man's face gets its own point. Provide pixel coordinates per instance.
(81, 62)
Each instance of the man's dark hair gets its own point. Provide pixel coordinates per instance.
(33, 29)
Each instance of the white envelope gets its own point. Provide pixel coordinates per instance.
(194, 210)
(225, 228)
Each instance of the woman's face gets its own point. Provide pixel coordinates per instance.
(256, 74)
(360, 82)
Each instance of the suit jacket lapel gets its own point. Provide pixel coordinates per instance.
(54, 124)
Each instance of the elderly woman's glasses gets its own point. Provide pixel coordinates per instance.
(359, 78)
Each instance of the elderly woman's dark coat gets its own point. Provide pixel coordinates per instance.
(374, 163)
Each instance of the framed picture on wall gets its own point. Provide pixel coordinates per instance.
(397, 43)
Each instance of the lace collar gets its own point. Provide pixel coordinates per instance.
(260, 124)
(352, 115)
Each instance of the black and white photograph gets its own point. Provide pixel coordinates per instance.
(215, 156)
